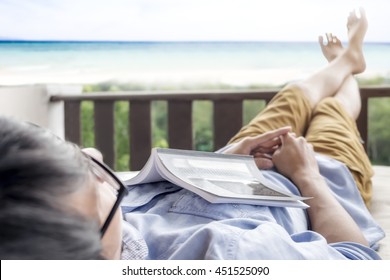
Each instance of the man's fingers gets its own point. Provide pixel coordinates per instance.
(264, 163)
(266, 150)
(275, 133)
(270, 138)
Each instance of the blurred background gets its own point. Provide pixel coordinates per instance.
(141, 46)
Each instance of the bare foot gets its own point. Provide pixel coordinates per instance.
(333, 47)
(357, 27)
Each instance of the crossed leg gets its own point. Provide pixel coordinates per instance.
(332, 130)
(324, 107)
(294, 104)
(343, 63)
(348, 94)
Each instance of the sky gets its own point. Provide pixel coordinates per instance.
(187, 20)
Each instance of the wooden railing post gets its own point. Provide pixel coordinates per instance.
(362, 121)
(140, 133)
(73, 121)
(228, 115)
(104, 130)
(227, 121)
(180, 124)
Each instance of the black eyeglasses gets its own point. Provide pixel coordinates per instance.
(104, 173)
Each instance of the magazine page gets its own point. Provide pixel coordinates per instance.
(126, 175)
(148, 173)
(231, 176)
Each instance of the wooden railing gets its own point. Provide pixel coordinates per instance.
(227, 117)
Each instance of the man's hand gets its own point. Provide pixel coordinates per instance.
(295, 158)
(261, 147)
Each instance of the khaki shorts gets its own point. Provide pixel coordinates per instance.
(328, 128)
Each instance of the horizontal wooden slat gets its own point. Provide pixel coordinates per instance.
(162, 95)
(194, 95)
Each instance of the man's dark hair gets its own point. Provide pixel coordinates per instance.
(37, 171)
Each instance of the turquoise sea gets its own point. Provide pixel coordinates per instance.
(170, 62)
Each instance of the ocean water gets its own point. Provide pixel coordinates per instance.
(239, 63)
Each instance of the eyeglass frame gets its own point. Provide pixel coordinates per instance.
(121, 193)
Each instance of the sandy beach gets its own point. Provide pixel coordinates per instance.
(239, 78)
(237, 64)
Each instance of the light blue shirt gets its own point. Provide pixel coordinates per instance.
(164, 221)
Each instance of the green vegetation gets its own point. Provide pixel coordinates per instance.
(378, 146)
(379, 130)
(379, 116)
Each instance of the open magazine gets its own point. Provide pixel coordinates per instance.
(218, 178)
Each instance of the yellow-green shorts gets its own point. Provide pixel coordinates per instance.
(328, 127)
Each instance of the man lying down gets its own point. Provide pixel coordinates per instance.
(59, 202)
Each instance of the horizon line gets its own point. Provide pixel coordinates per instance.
(164, 41)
